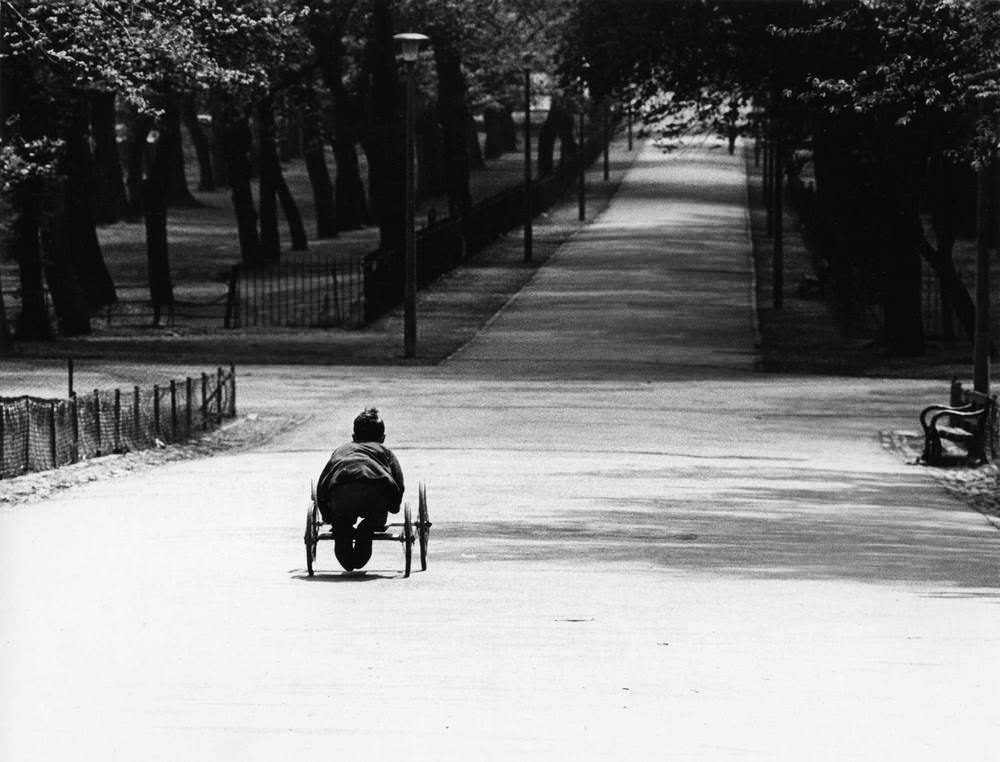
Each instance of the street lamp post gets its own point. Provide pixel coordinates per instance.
(581, 178)
(410, 45)
(981, 334)
(606, 138)
(628, 106)
(528, 233)
(582, 150)
(5, 336)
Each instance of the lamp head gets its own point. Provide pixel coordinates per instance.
(410, 43)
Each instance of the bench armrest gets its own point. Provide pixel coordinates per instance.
(966, 414)
(932, 409)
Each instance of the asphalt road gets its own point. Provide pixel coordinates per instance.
(643, 548)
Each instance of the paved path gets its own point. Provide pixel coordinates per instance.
(659, 284)
(641, 550)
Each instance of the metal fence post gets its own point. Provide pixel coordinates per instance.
(75, 412)
(27, 438)
(218, 393)
(136, 419)
(97, 418)
(118, 420)
(173, 410)
(156, 410)
(232, 390)
(187, 407)
(52, 434)
(204, 400)
(3, 435)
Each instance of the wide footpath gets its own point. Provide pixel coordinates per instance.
(643, 547)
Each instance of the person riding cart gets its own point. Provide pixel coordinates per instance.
(362, 480)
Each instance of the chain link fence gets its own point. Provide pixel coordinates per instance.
(41, 434)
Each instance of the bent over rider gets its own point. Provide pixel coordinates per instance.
(362, 480)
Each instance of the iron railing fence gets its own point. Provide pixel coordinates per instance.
(319, 291)
(41, 434)
(307, 292)
(443, 246)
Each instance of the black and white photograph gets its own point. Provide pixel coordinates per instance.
(499, 380)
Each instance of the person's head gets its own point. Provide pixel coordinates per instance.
(368, 427)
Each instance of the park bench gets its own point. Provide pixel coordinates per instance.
(965, 422)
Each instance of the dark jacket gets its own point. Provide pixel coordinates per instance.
(360, 461)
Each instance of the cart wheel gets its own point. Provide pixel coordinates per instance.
(407, 538)
(311, 537)
(423, 526)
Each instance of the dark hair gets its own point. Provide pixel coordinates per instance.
(368, 427)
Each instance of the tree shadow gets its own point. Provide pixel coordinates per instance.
(786, 525)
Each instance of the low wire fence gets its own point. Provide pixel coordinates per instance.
(42, 434)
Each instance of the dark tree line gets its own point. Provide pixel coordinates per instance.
(894, 99)
(227, 76)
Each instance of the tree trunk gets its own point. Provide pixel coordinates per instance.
(139, 129)
(454, 115)
(296, 230)
(558, 124)
(177, 185)
(501, 134)
(237, 141)
(386, 148)
(319, 179)
(430, 154)
(349, 190)
(109, 184)
(220, 162)
(569, 147)
(270, 242)
(155, 192)
(899, 223)
(202, 146)
(69, 301)
(290, 132)
(351, 207)
(953, 291)
(494, 146)
(472, 143)
(33, 320)
(547, 134)
(77, 238)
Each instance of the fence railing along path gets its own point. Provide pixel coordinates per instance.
(323, 291)
(41, 434)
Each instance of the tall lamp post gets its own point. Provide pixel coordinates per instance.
(581, 153)
(605, 138)
(410, 47)
(528, 233)
(5, 337)
(981, 335)
(628, 105)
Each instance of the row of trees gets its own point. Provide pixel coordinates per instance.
(73, 72)
(896, 99)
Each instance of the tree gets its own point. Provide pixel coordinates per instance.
(878, 87)
(329, 26)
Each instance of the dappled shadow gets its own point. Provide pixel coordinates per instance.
(876, 528)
